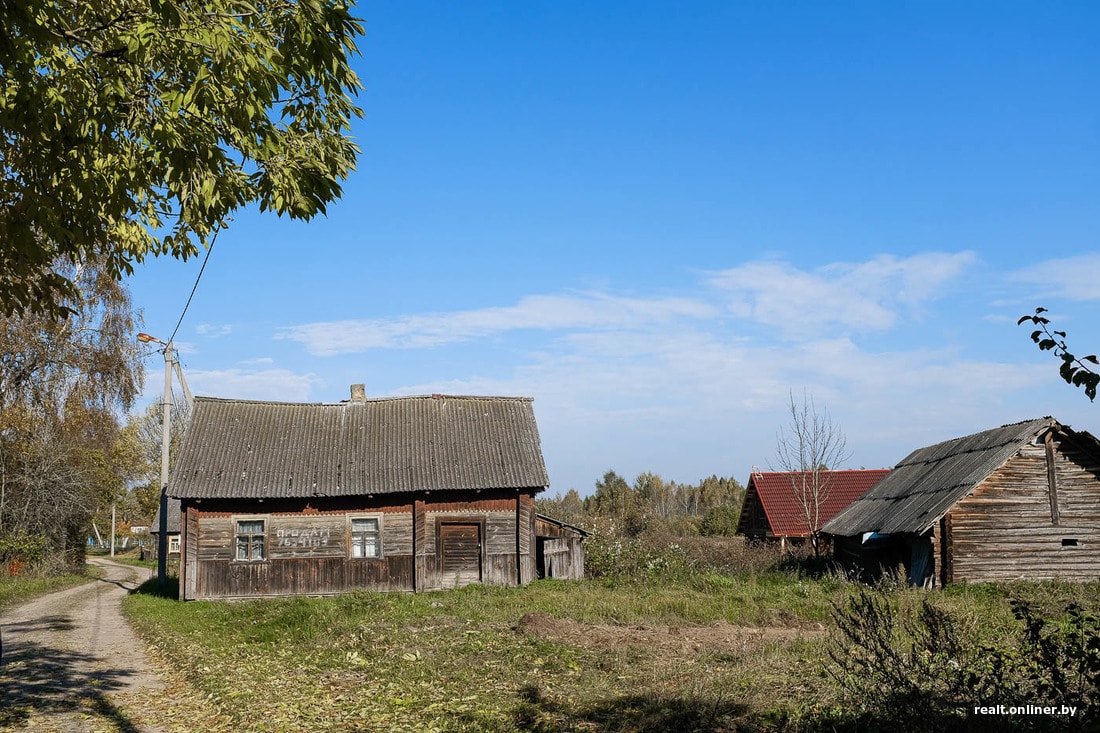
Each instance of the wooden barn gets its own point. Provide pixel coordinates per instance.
(1020, 501)
(772, 510)
(403, 494)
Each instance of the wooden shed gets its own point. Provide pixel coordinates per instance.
(1021, 501)
(559, 549)
(772, 510)
(404, 493)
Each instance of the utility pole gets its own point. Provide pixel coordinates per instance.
(165, 439)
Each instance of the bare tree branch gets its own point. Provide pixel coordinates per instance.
(806, 450)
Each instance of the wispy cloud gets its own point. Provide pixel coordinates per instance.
(669, 383)
(857, 297)
(211, 330)
(1074, 278)
(265, 384)
(672, 405)
(585, 311)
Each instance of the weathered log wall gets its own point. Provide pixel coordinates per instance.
(307, 544)
(1017, 524)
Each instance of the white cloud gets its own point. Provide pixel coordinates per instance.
(859, 297)
(266, 384)
(677, 386)
(214, 331)
(1075, 278)
(586, 311)
(693, 403)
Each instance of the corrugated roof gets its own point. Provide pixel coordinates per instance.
(240, 448)
(785, 512)
(929, 481)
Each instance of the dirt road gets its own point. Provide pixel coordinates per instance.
(71, 662)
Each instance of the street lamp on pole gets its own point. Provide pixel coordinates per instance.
(165, 436)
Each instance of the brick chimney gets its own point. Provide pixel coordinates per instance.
(358, 393)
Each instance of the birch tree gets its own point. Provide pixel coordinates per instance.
(63, 384)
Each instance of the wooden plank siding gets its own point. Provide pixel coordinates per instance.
(307, 544)
(559, 549)
(754, 520)
(562, 557)
(1006, 530)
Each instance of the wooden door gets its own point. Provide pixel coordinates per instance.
(460, 551)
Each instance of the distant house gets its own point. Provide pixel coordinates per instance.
(173, 532)
(404, 493)
(1018, 501)
(772, 509)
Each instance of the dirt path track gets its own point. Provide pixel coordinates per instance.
(71, 661)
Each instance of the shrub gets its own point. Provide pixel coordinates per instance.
(919, 670)
(23, 552)
(631, 558)
(720, 521)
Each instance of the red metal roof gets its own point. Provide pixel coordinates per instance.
(785, 512)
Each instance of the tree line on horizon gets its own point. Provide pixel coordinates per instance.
(651, 505)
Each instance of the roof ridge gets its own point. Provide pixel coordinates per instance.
(394, 398)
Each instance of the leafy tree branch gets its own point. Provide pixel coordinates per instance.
(1077, 371)
(135, 128)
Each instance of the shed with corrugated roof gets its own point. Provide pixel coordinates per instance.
(402, 493)
(1021, 501)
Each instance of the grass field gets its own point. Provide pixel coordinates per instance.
(685, 648)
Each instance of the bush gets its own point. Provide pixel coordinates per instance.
(620, 558)
(720, 521)
(918, 670)
(23, 552)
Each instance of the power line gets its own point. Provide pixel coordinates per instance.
(209, 249)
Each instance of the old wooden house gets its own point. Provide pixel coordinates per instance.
(404, 493)
(777, 507)
(1019, 501)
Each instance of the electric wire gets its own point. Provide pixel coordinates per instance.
(187, 305)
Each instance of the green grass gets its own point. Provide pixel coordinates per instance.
(456, 661)
(657, 642)
(18, 589)
(441, 661)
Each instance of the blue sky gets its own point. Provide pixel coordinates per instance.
(661, 219)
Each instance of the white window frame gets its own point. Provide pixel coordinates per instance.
(174, 544)
(265, 551)
(353, 537)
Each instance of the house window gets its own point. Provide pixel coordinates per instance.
(250, 540)
(366, 540)
(174, 545)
